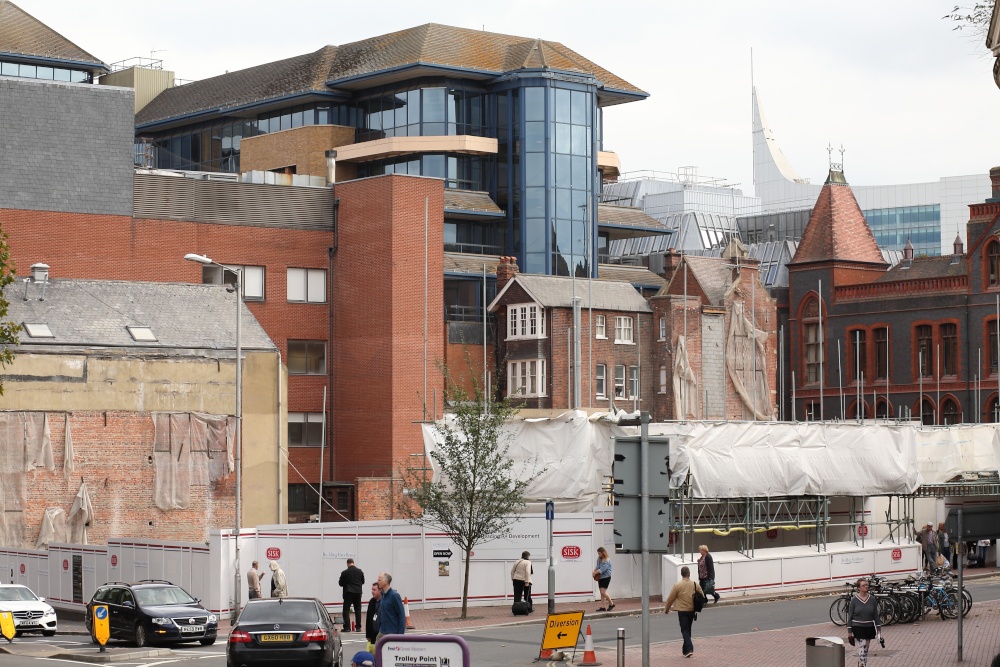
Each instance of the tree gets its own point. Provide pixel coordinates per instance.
(479, 490)
(976, 17)
(8, 330)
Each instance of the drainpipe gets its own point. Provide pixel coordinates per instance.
(331, 181)
(277, 439)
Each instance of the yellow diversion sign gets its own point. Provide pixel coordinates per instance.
(7, 625)
(562, 630)
(100, 624)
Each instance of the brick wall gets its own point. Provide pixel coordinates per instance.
(66, 147)
(302, 147)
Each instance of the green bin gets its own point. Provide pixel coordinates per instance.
(824, 652)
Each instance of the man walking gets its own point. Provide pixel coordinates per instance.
(392, 616)
(253, 581)
(351, 580)
(520, 576)
(682, 596)
(371, 618)
(928, 540)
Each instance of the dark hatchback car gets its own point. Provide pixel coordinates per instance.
(152, 612)
(284, 631)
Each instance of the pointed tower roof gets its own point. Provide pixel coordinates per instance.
(837, 229)
(21, 34)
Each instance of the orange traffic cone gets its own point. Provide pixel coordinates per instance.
(589, 658)
(544, 654)
(406, 610)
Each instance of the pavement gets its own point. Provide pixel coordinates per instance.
(930, 643)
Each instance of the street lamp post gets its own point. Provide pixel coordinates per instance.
(206, 261)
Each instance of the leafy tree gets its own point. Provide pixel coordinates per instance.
(479, 490)
(976, 17)
(9, 331)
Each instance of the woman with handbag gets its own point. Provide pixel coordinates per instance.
(706, 573)
(602, 575)
(862, 621)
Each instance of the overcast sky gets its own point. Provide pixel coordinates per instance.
(910, 99)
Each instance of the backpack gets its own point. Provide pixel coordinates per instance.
(699, 600)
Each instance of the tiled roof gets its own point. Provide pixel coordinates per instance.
(634, 275)
(469, 200)
(713, 275)
(626, 216)
(837, 229)
(299, 74)
(557, 292)
(23, 34)
(96, 312)
(430, 44)
(456, 262)
(918, 268)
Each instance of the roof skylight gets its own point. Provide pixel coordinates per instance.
(142, 334)
(37, 330)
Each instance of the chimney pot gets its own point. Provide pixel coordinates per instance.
(39, 272)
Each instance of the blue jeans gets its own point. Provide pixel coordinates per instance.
(686, 618)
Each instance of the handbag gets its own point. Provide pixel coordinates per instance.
(597, 576)
(709, 586)
(699, 600)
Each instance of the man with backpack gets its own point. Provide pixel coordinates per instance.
(688, 599)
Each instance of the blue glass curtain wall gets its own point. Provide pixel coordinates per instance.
(44, 72)
(921, 225)
(463, 172)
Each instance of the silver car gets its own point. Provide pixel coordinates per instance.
(31, 613)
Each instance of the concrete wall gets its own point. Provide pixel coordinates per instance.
(67, 147)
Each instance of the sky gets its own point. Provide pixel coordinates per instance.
(910, 99)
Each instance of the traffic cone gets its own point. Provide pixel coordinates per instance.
(354, 628)
(406, 610)
(544, 654)
(589, 658)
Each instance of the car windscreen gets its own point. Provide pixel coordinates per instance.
(162, 595)
(16, 594)
(287, 611)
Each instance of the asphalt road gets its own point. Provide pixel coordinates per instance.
(503, 646)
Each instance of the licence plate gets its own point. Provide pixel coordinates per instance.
(276, 638)
(26, 622)
(192, 628)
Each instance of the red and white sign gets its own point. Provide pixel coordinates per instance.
(571, 553)
(772, 534)
(273, 553)
(114, 560)
(65, 564)
(897, 554)
(862, 530)
(22, 568)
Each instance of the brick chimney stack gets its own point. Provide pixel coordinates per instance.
(506, 269)
(671, 260)
(995, 181)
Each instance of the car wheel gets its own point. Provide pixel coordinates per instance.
(48, 633)
(141, 640)
(207, 641)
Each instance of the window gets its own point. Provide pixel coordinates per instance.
(813, 352)
(663, 379)
(253, 279)
(663, 328)
(949, 350)
(307, 285)
(925, 350)
(142, 334)
(305, 429)
(619, 382)
(926, 413)
(950, 412)
(306, 357)
(525, 321)
(526, 378)
(883, 410)
(633, 382)
(991, 353)
(37, 330)
(601, 380)
(859, 348)
(599, 330)
(623, 329)
(993, 258)
(881, 352)
(302, 499)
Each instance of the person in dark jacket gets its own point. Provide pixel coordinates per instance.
(862, 621)
(706, 573)
(392, 615)
(371, 617)
(352, 580)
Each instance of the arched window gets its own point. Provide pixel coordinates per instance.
(927, 413)
(812, 348)
(992, 409)
(950, 412)
(858, 410)
(993, 257)
(883, 409)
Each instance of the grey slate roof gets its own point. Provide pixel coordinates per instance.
(713, 274)
(94, 313)
(627, 216)
(23, 34)
(635, 275)
(557, 292)
(943, 266)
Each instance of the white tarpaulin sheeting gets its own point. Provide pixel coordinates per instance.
(744, 459)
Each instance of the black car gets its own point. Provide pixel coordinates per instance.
(284, 631)
(153, 611)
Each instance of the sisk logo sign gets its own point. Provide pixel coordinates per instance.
(571, 552)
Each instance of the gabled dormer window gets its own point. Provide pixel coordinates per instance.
(525, 320)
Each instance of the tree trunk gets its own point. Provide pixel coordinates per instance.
(465, 586)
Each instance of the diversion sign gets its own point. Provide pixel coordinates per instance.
(562, 630)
